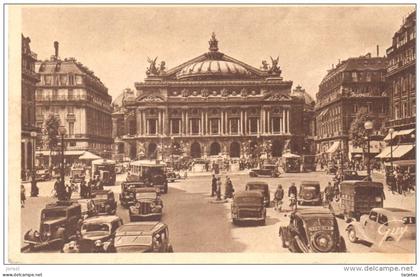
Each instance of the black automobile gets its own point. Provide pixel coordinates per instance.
(147, 205)
(309, 193)
(248, 206)
(267, 170)
(261, 187)
(96, 235)
(349, 175)
(104, 202)
(128, 192)
(59, 223)
(312, 230)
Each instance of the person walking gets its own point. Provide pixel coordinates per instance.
(22, 196)
(213, 185)
(399, 181)
(83, 188)
(228, 188)
(278, 198)
(57, 187)
(34, 188)
(89, 188)
(219, 189)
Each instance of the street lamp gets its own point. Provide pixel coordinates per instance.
(368, 127)
(61, 189)
(391, 132)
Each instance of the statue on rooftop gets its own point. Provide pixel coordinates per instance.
(274, 69)
(152, 69)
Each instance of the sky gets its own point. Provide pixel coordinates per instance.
(115, 41)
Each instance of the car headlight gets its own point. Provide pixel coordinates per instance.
(48, 234)
(72, 244)
(137, 205)
(131, 194)
(152, 205)
(98, 243)
(36, 234)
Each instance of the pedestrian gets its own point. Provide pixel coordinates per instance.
(34, 188)
(329, 193)
(228, 188)
(213, 185)
(57, 187)
(406, 180)
(292, 190)
(83, 188)
(399, 180)
(89, 188)
(219, 189)
(22, 196)
(278, 197)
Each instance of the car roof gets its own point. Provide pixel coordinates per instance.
(150, 189)
(315, 211)
(359, 183)
(258, 183)
(102, 219)
(62, 205)
(148, 163)
(394, 211)
(309, 183)
(105, 191)
(248, 193)
(139, 228)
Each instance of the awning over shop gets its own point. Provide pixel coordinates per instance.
(333, 147)
(399, 133)
(56, 153)
(89, 156)
(397, 151)
(375, 147)
(401, 150)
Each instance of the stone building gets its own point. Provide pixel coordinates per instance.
(210, 106)
(29, 130)
(401, 79)
(71, 91)
(354, 84)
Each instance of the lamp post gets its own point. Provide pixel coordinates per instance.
(368, 127)
(61, 189)
(391, 132)
(172, 152)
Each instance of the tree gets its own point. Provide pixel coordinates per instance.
(357, 128)
(50, 133)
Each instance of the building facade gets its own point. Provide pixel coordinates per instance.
(401, 79)
(71, 91)
(210, 106)
(354, 84)
(29, 130)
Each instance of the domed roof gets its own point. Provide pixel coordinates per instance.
(212, 68)
(301, 93)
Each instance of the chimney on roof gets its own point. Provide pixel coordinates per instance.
(56, 49)
(377, 50)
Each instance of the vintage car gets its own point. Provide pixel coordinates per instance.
(312, 230)
(261, 187)
(171, 176)
(147, 205)
(42, 175)
(96, 235)
(384, 225)
(142, 237)
(88, 207)
(104, 201)
(357, 198)
(150, 172)
(128, 192)
(291, 163)
(59, 222)
(248, 206)
(269, 170)
(309, 193)
(352, 175)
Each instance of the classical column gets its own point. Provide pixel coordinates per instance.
(283, 129)
(147, 127)
(221, 123)
(205, 123)
(202, 123)
(187, 130)
(138, 119)
(181, 124)
(227, 131)
(240, 123)
(164, 116)
(258, 126)
(245, 122)
(288, 121)
(159, 125)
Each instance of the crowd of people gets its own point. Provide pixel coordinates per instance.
(216, 187)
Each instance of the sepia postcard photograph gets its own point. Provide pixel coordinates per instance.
(211, 134)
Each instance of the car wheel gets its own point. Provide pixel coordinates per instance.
(351, 233)
(389, 239)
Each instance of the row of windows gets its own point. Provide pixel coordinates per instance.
(402, 58)
(405, 109)
(404, 83)
(61, 80)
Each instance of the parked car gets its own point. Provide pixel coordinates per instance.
(150, 172)
(248, 206)
(384, 225)
(59, 223)
(267, 170)
(105, 203)
(96, 235)
(142, 237)
(88, 207)
(42, 175)
(128, 192)
(77, 174)
(357, 198)
(312, 230)
(309, 193)
(147, 205)
(261, 187)
(171, 176)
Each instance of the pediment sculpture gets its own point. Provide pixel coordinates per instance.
(277, 97)
(151, 99)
